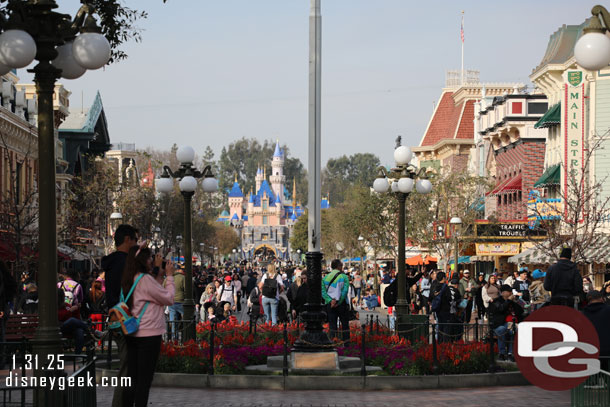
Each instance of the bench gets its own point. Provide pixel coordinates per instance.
(20, 327)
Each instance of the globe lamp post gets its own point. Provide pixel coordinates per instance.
(401, 181)
(188, 176)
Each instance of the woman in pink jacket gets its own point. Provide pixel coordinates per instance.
(143, 347)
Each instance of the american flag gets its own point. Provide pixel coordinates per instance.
(462, 28)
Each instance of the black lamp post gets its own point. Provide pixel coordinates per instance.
(188, 175)
(401, 180)
(63, 48)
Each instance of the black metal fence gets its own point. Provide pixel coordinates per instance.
(595, 391)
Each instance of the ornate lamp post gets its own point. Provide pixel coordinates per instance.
(592, 50)
(401, 181)
(63, 48)
(188, 175)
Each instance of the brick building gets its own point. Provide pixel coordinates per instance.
(505, 125)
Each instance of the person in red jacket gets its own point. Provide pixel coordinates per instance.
(71, 324)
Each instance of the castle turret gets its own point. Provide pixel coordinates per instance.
(236, 201)
(277, 177)
(259, 178)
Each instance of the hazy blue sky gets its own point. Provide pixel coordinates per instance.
(209, 72)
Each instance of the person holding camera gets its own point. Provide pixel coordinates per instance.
(147, 302)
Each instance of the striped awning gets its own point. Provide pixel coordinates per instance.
(597, 251)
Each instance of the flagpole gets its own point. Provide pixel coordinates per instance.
(462, 37)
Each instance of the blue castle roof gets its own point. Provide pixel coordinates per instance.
(264, 189)
(236, 191)
(278, 151)
(235, 217)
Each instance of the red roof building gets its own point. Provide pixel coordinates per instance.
(449, 136)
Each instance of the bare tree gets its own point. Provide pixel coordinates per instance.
(579, 215)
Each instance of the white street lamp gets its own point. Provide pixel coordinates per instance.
(70, 68)
(592, 50)
(381, 185)
(401, 180)
(17, 48)
(188, 184)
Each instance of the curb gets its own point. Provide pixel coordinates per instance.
(263, 382)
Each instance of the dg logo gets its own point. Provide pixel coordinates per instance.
(557, 348)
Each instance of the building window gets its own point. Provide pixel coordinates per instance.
(517, 107)
(265, 204)
(265, 220)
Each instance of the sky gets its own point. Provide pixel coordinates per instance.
(211, 72)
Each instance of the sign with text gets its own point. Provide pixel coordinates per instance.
(572, 121)
(545, 209)
(509, 230)
(498, 249)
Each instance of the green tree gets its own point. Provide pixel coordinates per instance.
(340, 174)
(243, 157)
(225, 238)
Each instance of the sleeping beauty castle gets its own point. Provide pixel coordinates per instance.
(265, 218)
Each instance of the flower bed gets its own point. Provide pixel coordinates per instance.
(235, 349)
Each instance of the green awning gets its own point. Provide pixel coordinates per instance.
(551, 118)
(551, 176)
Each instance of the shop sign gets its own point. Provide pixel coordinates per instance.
(545, 209)
(507, 230)
(498, 249)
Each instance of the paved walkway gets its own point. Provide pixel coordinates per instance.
(482, 397)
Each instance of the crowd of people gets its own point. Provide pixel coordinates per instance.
(154, 291)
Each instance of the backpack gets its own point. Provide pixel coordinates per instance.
(68, 294)
(390, 294)
(120, 318)
(436, 301)
(270, 287)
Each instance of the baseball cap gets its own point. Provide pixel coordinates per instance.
(455, 281)
(228, 278)
(466, 271)
(506, 287)
(538, 274)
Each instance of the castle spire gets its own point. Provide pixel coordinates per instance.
(265, 171)
(294, 194)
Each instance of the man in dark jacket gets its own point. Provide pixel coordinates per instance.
(599, 315)
(563, 280)
(503, 313)
(447, 312)
(125, 238)
(297, 295)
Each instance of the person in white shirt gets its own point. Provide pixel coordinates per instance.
(228, 293)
